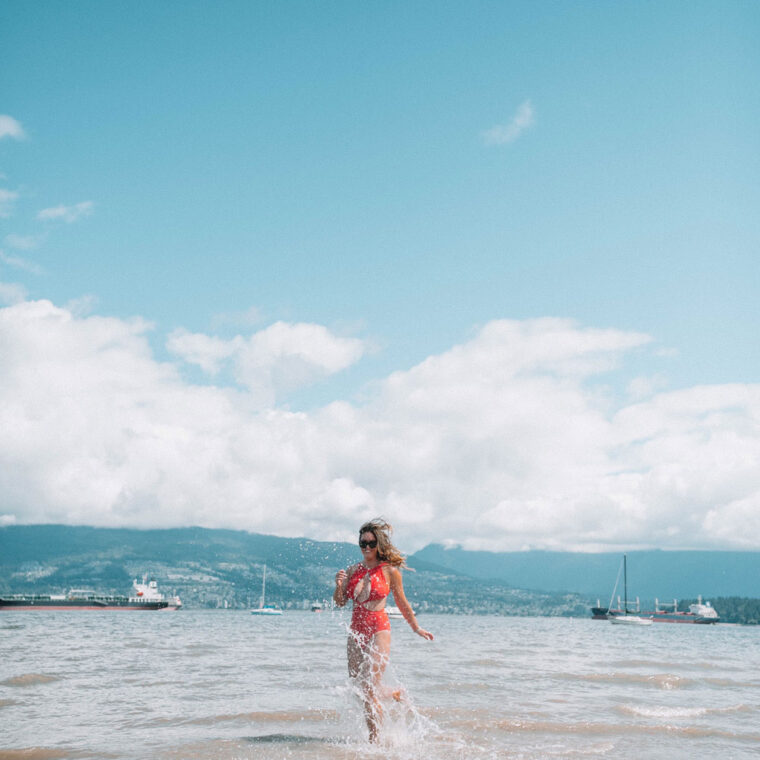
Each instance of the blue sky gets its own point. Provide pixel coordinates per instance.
(400, 174)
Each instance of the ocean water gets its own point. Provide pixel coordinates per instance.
(226, 684)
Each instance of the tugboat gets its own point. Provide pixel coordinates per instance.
(148, 592)
(145, 596)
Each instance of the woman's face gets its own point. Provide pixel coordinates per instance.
(369, 551)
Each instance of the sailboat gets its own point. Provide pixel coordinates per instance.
(627, 618)
(263, 608)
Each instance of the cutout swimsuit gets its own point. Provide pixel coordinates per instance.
(365, 586)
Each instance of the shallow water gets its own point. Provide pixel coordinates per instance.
(224, 684)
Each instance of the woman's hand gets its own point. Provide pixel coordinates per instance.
(425, 634)
(339, 595)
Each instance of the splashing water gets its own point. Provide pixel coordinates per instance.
(401, 725)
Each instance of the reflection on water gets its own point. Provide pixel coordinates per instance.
(224, 685)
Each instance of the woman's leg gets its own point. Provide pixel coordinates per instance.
(376, 664)
(359, 669)
(378, 656)
(357, 658)
(367, 659)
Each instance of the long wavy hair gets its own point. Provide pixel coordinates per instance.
(386, 551)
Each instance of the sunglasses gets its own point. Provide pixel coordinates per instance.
(368, 544)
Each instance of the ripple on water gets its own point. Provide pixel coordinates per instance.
(29, 679)
(147, 684)
(316, 746)
(513, 725)
(730, 683)
(672, 713)
(657, 665)
(260, 716)
(667, 681)
(201, 648)
(486, 662)
(462, 686)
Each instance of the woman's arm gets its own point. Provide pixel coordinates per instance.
(341, 581)
(397, 587)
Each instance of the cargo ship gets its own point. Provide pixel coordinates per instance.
(703, 614)
(145, 596)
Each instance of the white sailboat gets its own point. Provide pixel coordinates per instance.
(627, 618)
(630, 619)
(264, 608)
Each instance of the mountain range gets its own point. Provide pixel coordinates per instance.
(651, 574)
(215, 568)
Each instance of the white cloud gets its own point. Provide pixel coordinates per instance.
(7, 202)
(502, 442)
(501, 134)
(9, 127)
(275, 360)
(287, 356)
(17, 262)
(642, 387)
(82, 305)
(206, 351)
(66, 214)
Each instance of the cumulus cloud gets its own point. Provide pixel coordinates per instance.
(206, 351)
(501, 134)
(67, 214)
(503, 442)
(9, 127)
(275, 360)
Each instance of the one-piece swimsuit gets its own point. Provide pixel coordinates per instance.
(365, 586)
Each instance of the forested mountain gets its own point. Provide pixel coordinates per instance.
(224, 567)
(215, 568)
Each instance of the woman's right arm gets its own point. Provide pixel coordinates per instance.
(339, 595)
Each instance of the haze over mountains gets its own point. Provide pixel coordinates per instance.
(224, 568)
(651, 574)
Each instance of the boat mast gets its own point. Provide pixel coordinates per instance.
(625, 583)
(264, 587)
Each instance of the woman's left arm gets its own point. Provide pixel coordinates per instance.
(397, 587)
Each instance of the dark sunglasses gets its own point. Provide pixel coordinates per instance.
(368, 544)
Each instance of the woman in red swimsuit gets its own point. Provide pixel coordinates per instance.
(368, 584)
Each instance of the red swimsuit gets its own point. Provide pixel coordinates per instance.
(364, 586)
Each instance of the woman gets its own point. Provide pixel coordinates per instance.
(368, 584)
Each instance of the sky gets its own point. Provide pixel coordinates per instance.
(488, 269)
